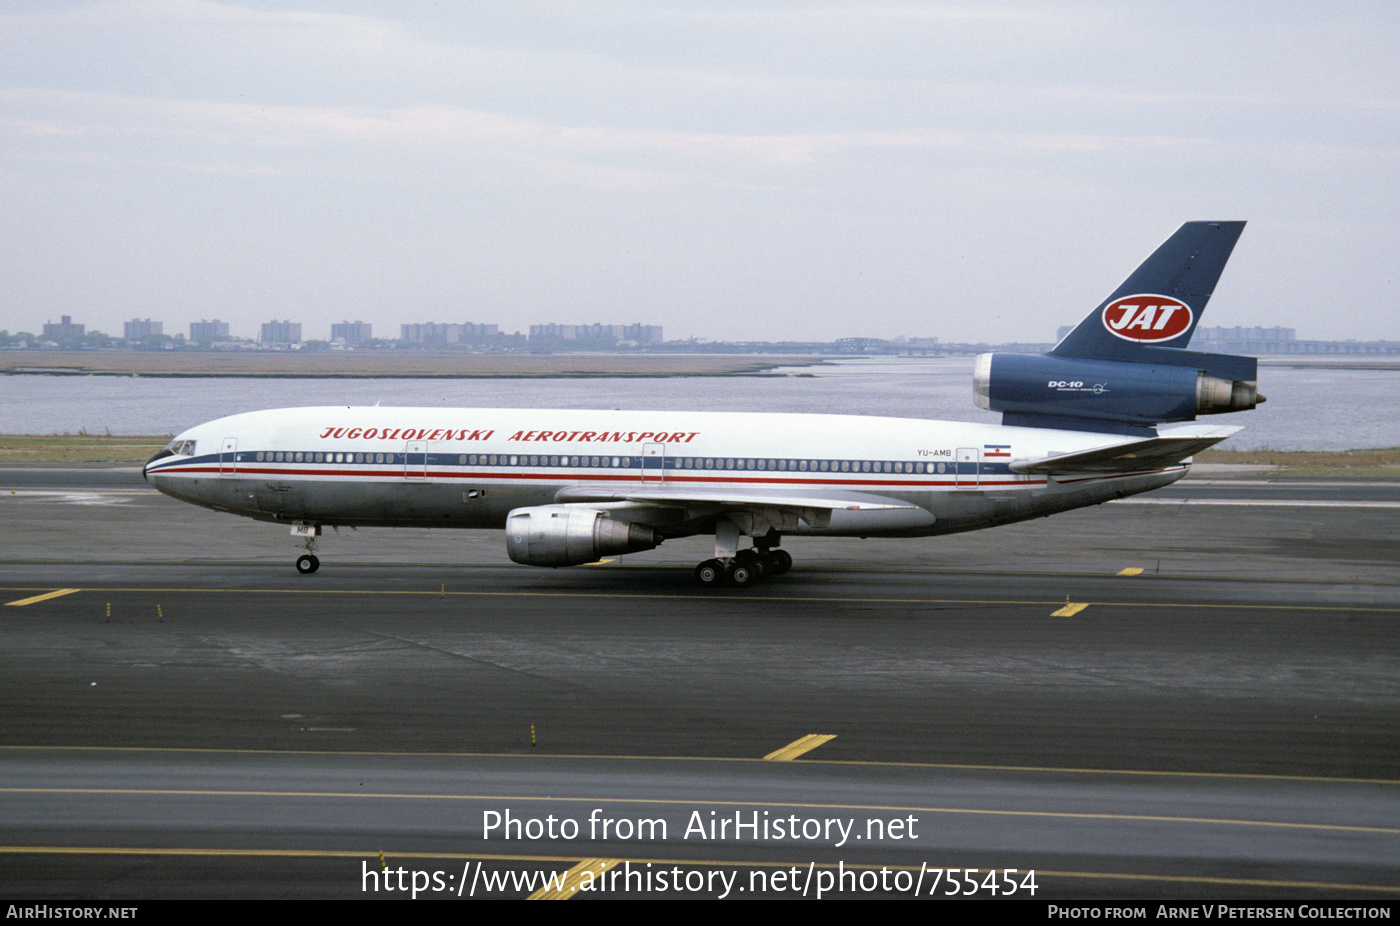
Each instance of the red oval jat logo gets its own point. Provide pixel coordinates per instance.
(1147, 317)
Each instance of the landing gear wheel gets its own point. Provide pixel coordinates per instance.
(307, 564)
(758, 563)
(781, 561)
(741, 574)
(710, 573)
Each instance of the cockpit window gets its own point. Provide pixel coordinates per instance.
(181, 448)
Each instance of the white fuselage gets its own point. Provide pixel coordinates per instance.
(444, 467)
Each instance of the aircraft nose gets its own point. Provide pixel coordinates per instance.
(164, 452)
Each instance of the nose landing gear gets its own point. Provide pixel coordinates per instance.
(307, 563)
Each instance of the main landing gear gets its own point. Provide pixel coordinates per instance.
(744, 568)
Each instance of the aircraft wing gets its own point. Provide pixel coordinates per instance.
(780, 509)
(734, 498)
(1131, 456)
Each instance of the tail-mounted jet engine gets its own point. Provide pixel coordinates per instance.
(563, 535)
(1125, 369)
(1043, 390)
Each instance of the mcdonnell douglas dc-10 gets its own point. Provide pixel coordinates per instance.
(1079, 427)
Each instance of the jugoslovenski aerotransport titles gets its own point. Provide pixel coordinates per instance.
(1079, 427)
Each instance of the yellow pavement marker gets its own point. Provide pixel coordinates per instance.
(1131, 571)
(798, 747)
(58, 594)
(568, 886)
(1070, 608)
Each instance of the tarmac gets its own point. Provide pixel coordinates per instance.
(1188, 694)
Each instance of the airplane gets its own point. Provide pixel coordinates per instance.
(1079, 427)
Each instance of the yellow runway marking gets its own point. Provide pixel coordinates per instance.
(58, 594)
(624, 757)
(590, 868)
(1131, 571)
(1070, 608)
(754, 601)
(798, 747)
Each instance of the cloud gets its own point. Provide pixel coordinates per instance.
(782, 160)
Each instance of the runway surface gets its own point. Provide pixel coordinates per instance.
(184, 715)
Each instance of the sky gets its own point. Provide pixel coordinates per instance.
(976, 172)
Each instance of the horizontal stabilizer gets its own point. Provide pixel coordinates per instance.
(1129, 456)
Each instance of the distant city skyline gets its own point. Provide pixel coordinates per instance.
(1229, 339)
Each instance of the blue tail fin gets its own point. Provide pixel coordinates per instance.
(1161, 303)
(1125, 368)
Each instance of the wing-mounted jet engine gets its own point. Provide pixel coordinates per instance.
(567, 535)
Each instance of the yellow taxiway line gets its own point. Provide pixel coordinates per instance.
(798, 747)
(58, 594)
(589, 868)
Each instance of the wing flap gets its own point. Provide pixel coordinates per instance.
(732, 498)
(755, 513)
(1129, 456)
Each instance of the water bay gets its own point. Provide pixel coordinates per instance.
(1310, 407)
